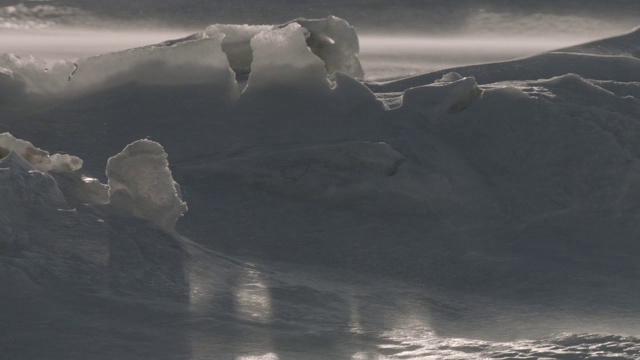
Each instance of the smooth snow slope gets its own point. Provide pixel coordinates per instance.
(482, 212)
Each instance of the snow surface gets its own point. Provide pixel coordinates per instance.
(141, 185)
(482, 212)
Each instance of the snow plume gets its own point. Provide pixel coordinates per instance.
(141, 185)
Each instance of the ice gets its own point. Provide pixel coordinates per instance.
(449, 95)
(281, 59)
(37, 75)
(335, 42)
(23, 183)
(141, 185)
(482, 211)
(236, 43)
(192, 62)
(38, 158)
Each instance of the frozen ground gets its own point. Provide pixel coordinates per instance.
(487, 211)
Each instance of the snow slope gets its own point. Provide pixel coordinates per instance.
(468, 213)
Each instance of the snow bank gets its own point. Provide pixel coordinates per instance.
(287, 55)
(21, 183)
(193, 62)
(335, 42)
(38, 158)
(141, 184)
(545, 66)
(37, 75)
(236, 43)
(281, 59)
(451, 94)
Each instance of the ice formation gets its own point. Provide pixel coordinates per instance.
(515, 185)
(141, 185)
(281, 59)
(448, 95)
(195, 62)
(236, 43)
(38, 158)
(335, 42)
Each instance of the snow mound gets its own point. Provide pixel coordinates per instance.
(291, 54)
(141, 184)
(545, 66)
(194, 62)
(21, 183)
(335, 42)
(36, 75)
(626, 44)
(38, 158)
(283, 60)
(236, 43)
(449, 95)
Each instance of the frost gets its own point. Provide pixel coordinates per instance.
(141, 184)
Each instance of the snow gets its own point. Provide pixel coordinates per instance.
(281, 59)
(38, 158)
(448, 95)
(335, 42)
(197, 62)
(236, 43)
(141, 185)
(468, 214)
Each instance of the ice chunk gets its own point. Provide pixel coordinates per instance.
(444, 97)
(283, 60)
(236, 43)
(38, 158)
(141, 184)
(192, 62)
(335, 42)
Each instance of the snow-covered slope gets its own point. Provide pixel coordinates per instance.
(514, 185)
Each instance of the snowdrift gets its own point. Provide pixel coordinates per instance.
(213, 58)
(512, 185)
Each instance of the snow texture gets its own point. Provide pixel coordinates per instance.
(335, 42)
(141, 185)
(38, 158)
(281, 59)
(499, 202)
